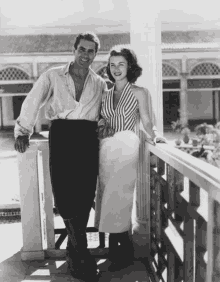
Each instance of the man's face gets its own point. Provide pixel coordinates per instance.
(85, 53)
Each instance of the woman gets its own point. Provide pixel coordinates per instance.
(121, 109)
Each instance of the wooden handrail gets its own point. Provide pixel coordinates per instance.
(172, 213)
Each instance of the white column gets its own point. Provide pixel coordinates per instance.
(217, 105)
(145, 33)
(183, 92)
(35, 77)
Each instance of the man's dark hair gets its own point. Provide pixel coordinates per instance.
(134, 70)
(90, 36)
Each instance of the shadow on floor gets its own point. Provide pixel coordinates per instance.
(15, 270)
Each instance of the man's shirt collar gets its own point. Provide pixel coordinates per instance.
(66, 69)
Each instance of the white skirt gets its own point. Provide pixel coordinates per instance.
(117, 178)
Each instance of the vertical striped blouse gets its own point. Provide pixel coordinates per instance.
(125, 115)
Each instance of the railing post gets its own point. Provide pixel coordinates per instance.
(46, 199)
(30, 204)
(213, 240)
(141, 228)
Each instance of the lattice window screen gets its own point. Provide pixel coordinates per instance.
(203, 83)
(206, 69)
(168, 70)
(13, 74)
(16, 88)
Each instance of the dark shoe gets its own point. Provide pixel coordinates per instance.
(92, 277)
(83, 272)
(86, 277)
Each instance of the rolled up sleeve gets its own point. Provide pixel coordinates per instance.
(35, 99)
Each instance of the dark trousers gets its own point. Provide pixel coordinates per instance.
(74, 149)
(120, 247)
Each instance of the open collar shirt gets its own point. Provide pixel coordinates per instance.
(55, 90)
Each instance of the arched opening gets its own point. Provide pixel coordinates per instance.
(171, 95)
(14, 86)
(203, 87)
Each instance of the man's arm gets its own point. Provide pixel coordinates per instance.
(29, 113)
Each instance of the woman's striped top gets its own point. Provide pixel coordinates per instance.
(125, 115)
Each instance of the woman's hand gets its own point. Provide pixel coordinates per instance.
(160, 139)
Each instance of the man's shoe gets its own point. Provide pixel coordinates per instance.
(85, 275)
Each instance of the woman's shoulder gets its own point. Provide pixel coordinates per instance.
(106, 93)
(139, 91)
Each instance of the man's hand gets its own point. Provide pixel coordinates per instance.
(21, 143)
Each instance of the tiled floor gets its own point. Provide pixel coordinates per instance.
(15, 270)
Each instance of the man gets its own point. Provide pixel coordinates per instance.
(72, 98)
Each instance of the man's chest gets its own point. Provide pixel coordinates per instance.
(79, 85)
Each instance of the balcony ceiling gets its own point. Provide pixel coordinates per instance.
(30, 28)
(101, 16)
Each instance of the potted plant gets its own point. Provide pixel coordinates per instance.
(210, 135)
(177, 127)
(195, 142)
(186, 131)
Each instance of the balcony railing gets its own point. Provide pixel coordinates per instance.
(183, 214)
(177, 227)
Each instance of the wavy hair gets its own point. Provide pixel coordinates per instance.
(134, 70)
(89, 36)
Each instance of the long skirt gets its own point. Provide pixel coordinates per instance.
(118, 158)
(74, 149)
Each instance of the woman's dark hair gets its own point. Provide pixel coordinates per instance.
(90, 36)
(134, 70)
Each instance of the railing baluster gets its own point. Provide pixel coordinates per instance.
(194, 196)
(189, 230)
(161, 167)
(46, 192)
(171, 188)
(201, 232)
(158, 211)
(171, 266)
(189, 248)
(216, 242)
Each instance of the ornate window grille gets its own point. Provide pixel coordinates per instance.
(205, 69)
(167, 71)
(13, 74)
(16, 88)
(203, 83)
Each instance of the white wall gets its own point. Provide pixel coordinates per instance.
(199, 105)
(7, 106)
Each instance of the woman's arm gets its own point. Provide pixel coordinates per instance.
(146, 112)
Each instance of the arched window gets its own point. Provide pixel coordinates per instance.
(168, 71)
(19, 84)
(205, 69)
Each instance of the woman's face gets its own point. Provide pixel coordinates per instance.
(118, 67)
